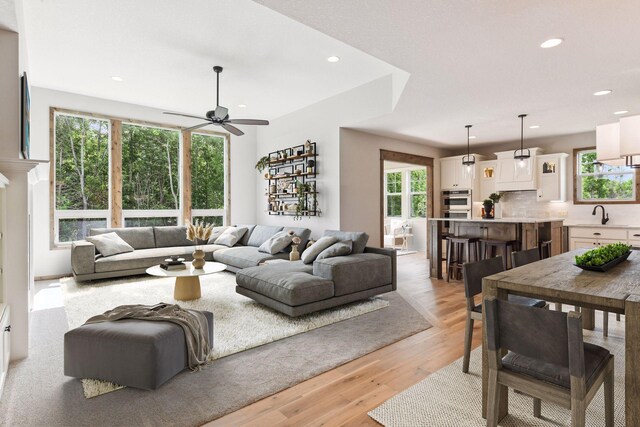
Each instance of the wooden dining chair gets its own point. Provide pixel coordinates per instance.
(473, 273)
(521, 258)
(547, 359)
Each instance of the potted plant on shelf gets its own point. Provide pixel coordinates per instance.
(497, 207)
(488, 207)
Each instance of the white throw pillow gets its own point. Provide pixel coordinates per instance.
(109, 244)
(337, 249)
(215, 233)
(231, 236)
(276, 243)
(310, 254)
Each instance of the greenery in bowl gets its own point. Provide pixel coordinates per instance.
(602, 255)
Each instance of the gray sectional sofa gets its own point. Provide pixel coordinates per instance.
(293, 288)
(152, 245)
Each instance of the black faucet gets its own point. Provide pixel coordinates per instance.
(604, 220)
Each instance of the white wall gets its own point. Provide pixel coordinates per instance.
(321, 123)
(9, 95)
(621, 214)
(360, 178)
(57, 261)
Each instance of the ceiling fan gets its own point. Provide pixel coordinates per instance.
(220, 116)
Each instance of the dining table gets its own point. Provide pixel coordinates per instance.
(558, 279)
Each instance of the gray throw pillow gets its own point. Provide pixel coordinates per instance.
(109, 244)
(309, 255)
(276, 243)
(231, 236)
(215, 233)
(337, 249)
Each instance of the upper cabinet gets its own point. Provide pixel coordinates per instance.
(551, 171)
(456, 176)
(515, 175)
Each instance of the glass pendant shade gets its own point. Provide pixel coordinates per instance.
(608, 144)
(630, 140)
(468, 160)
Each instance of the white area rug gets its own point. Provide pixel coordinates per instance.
(239, 322)
(451, 398)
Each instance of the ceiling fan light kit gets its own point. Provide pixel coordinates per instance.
(220, 115)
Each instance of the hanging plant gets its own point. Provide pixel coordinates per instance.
(263, 163)
(303, 190)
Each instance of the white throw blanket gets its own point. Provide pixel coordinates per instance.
(193, 322)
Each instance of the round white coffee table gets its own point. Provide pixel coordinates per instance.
(188, 280)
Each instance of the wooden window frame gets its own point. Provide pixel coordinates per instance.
(576, 201)
(115, 217)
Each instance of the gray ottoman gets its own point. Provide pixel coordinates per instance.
(135, 353)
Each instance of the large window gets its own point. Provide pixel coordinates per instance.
(602, 183)
(394, 194)
(150, 175)
(207, 178)
(108, 173)
(81, 191)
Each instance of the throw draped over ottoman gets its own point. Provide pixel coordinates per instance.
(130, 352)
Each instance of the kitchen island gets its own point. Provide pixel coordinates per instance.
(527, 231)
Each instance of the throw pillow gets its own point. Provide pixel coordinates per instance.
(231, 236)
(276, 243)
(337, 249)
(109, 244)
(215, 233)
(314, 250)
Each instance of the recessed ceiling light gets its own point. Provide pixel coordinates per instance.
(617, 113)
(117, 78)
(602, 92)
(551, 43)
(333, 59)
(472, 137)
(534, 126)
(242, 105)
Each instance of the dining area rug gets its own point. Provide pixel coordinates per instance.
(451, 398)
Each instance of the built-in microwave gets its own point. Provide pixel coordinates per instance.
(456, 200)
(457, 214)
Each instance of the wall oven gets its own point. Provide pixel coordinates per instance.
(457, 214)
(459, 200)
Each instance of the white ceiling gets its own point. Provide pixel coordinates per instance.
(165, 50)
(8, 19)
(479, 62)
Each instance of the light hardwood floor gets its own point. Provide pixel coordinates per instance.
(344, 395)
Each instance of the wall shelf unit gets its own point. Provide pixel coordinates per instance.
(291, 181)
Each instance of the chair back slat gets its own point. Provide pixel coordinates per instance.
(474, 272)
(518, 259)
(529, 331)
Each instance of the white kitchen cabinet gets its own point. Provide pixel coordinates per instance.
(551, 174)
(456, 176)
(591, 237)
(5, 343)
(514, 175)
(487, 172)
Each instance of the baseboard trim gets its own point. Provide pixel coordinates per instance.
(52, 277)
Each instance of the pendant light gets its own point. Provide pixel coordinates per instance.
(468, 160)
(608, 145)
(630, 140)
(521, 155)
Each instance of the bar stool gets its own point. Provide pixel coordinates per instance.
(459, 252)
(489, 248)
(545, 248)
(445, 237)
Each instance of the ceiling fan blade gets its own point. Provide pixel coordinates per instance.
(184, 115)
(234, 130)
(248, 122)
(222, 112)
(198, 126)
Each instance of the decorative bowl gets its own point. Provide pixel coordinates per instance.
(605, 267)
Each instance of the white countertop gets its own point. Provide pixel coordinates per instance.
(599, 225)
(501, 220)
